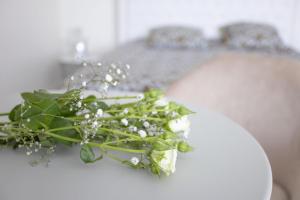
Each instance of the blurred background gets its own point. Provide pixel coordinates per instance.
(237, 57)
(37, 37)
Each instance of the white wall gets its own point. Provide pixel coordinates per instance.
(138, 16)
(33, 33)
(29, 45)
(96, 18)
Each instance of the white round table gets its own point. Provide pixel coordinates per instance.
(227, 164)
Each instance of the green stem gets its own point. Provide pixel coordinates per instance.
(117, 97)
(120, 133)
(131, 117)
(63, 128)
(117, 148)
(4, 114)
(104, 146)
(62, 137)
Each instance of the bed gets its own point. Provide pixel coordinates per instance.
(168, 53)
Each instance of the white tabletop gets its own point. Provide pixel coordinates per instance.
(227, 164)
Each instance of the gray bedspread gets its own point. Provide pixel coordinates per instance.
(160, 67)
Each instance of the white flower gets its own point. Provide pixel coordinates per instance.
(79, 104)
(72, 78)
(180, 125)
(132, 128)
(146, 124)
(124, 122)
(142, 133)
(127, 66)
(94, 124)
(86, 116)
(166, 160)
(99, 112)
(134, 160)
(108, 78)
(125, 111)
(154, 112)
(83, 83)
(161, 102)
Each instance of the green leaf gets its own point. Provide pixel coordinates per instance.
(15, 113)
(93, 106)
(155, 169)
(184, 147)
(39, 114)
(162, 145)
(38, 96)
(60, 123)
(154, 93)
(40, 107)
(67, 100)
(180, 109)
(87, 154)
(140, 165)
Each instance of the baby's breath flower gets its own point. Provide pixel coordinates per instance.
(124, 122)
(95, 124)
(125, 111)
(146, 124)
(86, 116)
(134, 160)
(108, 78)
(99, 112)
(79, 104)
(154, 112)
(132, 128)
(142, 133)
(83, 83)
(84, 64)
(161, 102)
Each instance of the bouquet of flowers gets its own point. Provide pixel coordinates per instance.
(142, 131)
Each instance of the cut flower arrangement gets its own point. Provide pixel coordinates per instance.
(144, 132)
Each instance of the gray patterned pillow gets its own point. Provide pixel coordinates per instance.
(251, 35)
(176, 37)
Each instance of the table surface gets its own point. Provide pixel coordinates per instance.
(227, 164)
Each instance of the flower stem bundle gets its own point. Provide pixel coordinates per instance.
(144, 131)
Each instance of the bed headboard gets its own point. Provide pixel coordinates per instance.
(136, 17)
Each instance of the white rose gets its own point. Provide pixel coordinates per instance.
(168, 162)
(180, 125)
(161, 102)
